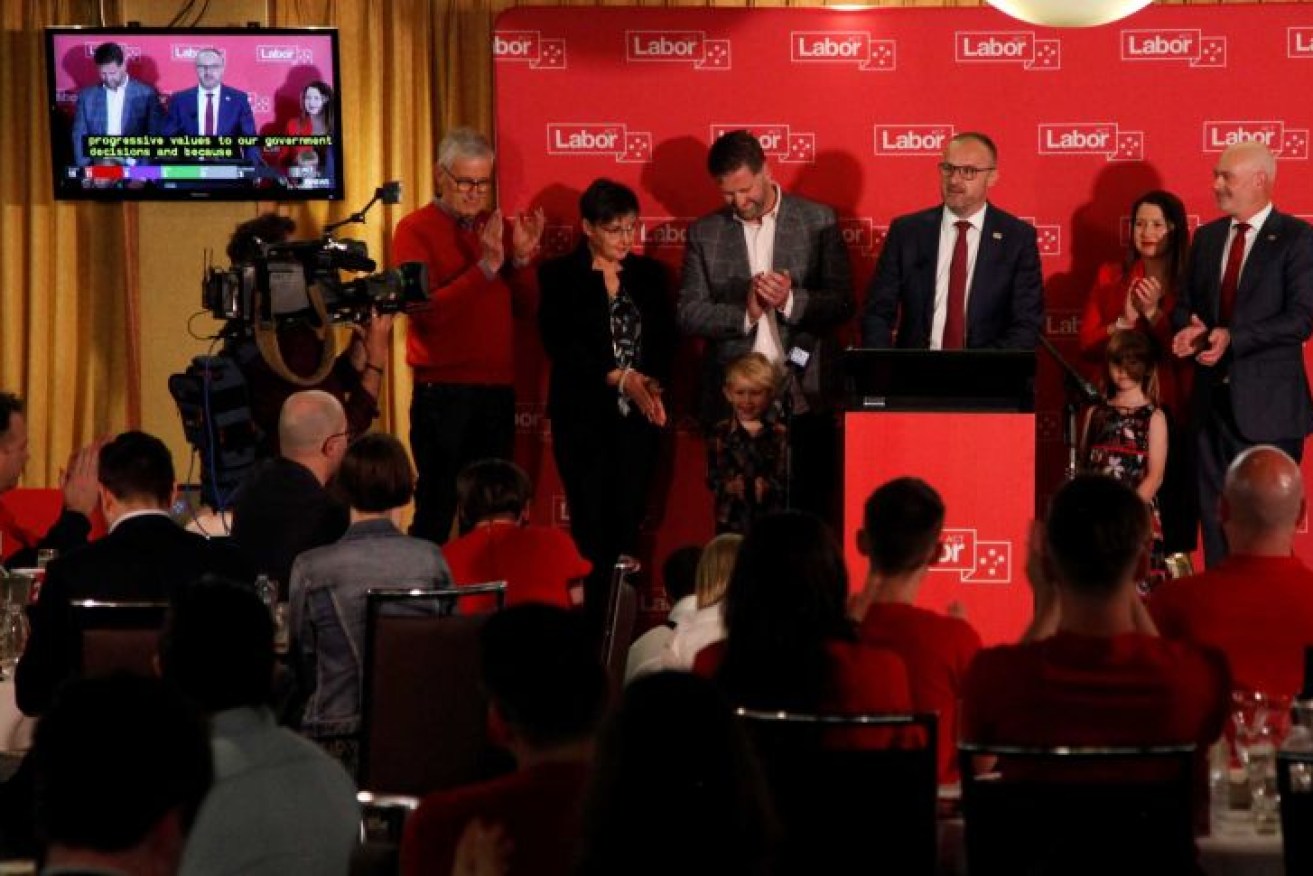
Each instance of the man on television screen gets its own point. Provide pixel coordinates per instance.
(118, 106)
(212, 109)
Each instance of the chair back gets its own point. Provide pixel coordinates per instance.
(618, 621)
(1295, 783)
(840, 802)
(116, 636)
(424, 713)
(1071, 810)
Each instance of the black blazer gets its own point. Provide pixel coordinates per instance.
(1273, 318)
(575, 320)
(1005, 305)
(145, 558)
(281, 510)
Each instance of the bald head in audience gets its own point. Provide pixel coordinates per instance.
(1262, 502)
(312, 430)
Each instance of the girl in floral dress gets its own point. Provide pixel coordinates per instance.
(1125, 437)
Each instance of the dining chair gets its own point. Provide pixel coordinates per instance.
(853, 793)
(1079, 810)
(618, 620)
(116, 636)
(424, 713)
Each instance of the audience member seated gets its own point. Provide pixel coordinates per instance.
(283, 508)
(790, 644)
(145, 556)
(326, 613)
(1094, 672)
(547, 690)
(278, 805)
(498, 543)
(679, 577)
(706, 626)
(900, 537)
(677, 788)
(18, 545)
(1257, 604)
(122, 764)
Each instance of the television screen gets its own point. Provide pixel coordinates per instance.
(195, 113)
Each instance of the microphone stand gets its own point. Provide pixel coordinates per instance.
(1080, 392)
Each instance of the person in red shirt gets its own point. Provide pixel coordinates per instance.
(1257, 604)
(80, 484)
(547, 691)
(460, 343)
(900, 537)
(790, 643)
(1091, 670)
(498, 543)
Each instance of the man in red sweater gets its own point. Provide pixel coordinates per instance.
(1257, 604)
(461, 343)
(900, 536)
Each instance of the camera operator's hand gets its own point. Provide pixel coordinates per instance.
(526, 234)
(370, 346)
(494, 244)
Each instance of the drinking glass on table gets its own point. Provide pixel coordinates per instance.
(1261, 722)
(13, 637)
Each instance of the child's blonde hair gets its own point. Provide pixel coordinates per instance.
(754, 369)
(715, 566)
(1137, 355)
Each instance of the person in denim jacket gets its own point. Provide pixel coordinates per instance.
(326, 614)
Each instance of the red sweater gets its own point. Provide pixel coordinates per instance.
(465, 333)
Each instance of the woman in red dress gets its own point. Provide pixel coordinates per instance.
(1138, 295)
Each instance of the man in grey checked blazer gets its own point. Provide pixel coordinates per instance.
(768, 273)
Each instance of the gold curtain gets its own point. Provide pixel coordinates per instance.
(67, 291)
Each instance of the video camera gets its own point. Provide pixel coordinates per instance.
(284, 273)
(292, 280)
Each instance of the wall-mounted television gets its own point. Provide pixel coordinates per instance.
(194, 113)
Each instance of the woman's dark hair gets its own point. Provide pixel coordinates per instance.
(489, 488)
(674, 757)
(605, 200)
(787, 599)
(1178, 233)
(376, 475)
(325, 91)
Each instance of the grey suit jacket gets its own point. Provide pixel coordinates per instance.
(142, 114)
(1273, 318)
(714, 295)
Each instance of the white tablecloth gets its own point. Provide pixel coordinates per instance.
(15, 727)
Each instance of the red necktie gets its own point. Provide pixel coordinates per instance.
(955, 315)
(209, 114)
(1231, 276)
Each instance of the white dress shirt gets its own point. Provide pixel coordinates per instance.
(1255, 225)
(760, 239)
(115, 98)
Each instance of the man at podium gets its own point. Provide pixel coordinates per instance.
(964, 274)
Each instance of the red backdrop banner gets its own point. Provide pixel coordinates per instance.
(853, 108)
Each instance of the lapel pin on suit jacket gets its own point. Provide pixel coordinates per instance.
(1271, 237)
(997, 235)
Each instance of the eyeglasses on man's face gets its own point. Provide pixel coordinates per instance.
(968, 172)
(465, 185)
